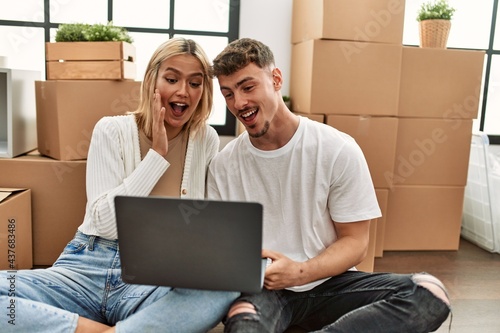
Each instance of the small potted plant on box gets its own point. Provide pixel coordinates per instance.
(81, 32)
(85, 51)
(434, 19)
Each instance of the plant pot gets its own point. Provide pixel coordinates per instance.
(434, 33)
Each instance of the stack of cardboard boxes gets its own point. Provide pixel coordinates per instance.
(66, 112)
(439, 97)
(410, 109)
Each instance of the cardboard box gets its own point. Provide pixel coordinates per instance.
(432, 152)
(67, 112)
(377, 229)
(15, 229)
(17, 111)
(90, 61)
(339, 77)
(383, 199)
(362, 20)
(58, 199)
(423, 218)
(367, 265)
(377, 138)
(440, 83)
(313, 116)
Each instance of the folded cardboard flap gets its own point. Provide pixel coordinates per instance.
(6, 192)
(4, 195)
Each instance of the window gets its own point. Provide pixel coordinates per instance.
(26, 25)
(473, 27)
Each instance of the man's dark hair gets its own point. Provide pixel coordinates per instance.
(240, 53)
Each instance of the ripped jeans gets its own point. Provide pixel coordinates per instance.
(351, 302)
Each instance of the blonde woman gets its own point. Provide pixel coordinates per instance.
(162, 148)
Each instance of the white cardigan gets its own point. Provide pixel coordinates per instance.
(114, 167)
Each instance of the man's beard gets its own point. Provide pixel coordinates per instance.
(261, 133)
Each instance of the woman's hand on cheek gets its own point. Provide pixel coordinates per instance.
(159, 134)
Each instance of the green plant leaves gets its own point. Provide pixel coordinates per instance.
(435, 10)
(71, 32)
(80, 32)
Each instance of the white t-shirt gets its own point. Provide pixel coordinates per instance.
(320, 175)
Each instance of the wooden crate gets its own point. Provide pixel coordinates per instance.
(90, 61)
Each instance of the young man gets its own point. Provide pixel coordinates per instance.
(318, 200)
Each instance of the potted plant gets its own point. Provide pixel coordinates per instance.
(81, 32)
(434, 19)
(287, 101)
(84, 51)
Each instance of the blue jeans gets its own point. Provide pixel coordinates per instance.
(351, 302)
(86, 281)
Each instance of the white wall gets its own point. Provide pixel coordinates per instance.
(270, 21)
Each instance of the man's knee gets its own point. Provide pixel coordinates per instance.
(241, 307)
(433, 284)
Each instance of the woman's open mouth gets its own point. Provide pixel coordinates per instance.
(178, 108)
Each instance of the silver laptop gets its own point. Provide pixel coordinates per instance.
(185, 243)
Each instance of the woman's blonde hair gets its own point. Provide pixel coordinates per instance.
(173, 47)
